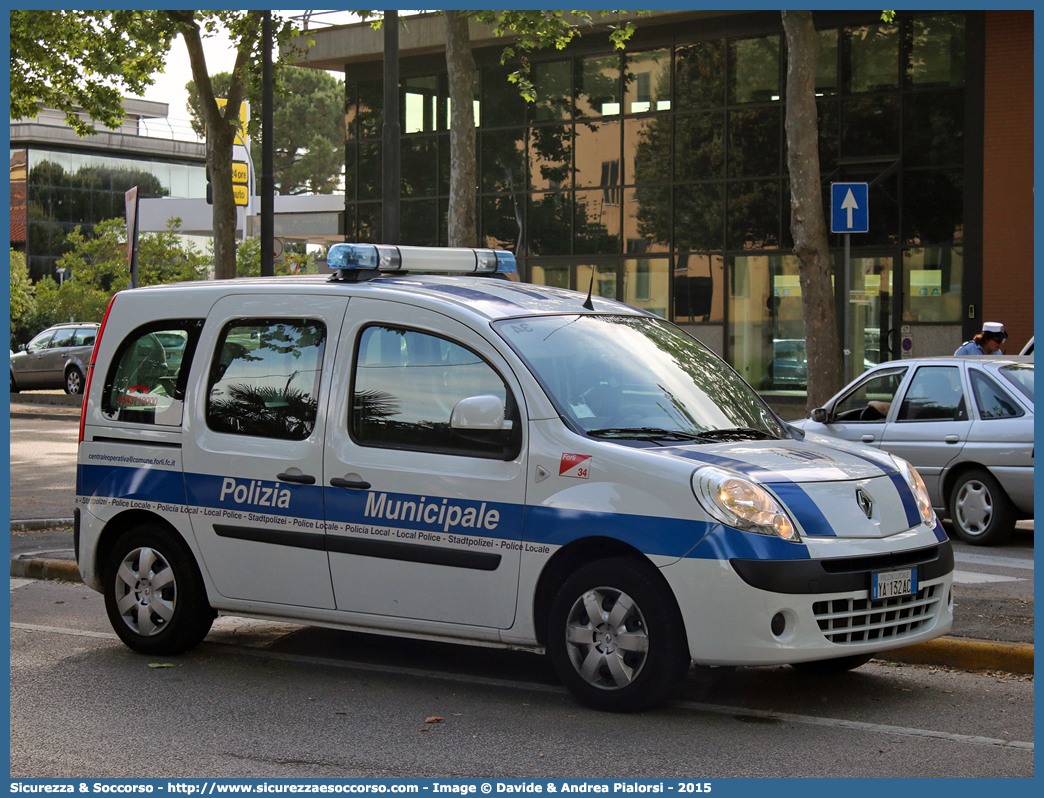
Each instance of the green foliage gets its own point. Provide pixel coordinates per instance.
(296, 260)
(85, 59)
(99, 268)
(535, 30)
(888, 16)
(540, 29)
(23, 295)
(307, 118)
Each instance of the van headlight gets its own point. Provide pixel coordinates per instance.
(738, 502)
(920, 490)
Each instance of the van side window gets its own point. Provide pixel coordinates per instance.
(264, 378)
(406, 384)
(147, 376)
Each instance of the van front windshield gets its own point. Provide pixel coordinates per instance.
(637, 376)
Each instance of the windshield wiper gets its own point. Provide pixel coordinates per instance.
(735, 434)
(652, 433)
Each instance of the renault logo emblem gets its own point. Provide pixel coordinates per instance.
(866, 504)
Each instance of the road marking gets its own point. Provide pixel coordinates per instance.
(989, 559)
(32, 627)
(397, 670)
(811, 720)
(975, 578)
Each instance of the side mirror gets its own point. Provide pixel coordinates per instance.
(21, 347)
(819, 415)
(479, 414)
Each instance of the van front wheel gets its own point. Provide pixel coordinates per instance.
(154, 593)
(616, 636)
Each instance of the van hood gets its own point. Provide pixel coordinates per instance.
(817, 458)
(831, 488)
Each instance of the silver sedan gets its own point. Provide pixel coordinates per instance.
(965, 423)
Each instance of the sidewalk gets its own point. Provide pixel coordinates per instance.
(45, 551)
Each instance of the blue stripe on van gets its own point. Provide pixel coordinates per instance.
(913, 516)
(806, 511)
(668, 537)
(122, 482)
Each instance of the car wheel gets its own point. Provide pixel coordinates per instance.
(616, 636)
(981, 512)
(73, 381)
(835, 665)
(14, 385)
(154, 592)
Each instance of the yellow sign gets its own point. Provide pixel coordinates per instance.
(241, 194)
(240, 173)
(786, 285)
(244, 117)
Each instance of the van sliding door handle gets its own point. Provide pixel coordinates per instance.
(354, 484)
(301, 479)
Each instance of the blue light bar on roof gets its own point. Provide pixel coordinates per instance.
(431, 260)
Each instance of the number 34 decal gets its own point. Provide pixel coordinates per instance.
(575, 465)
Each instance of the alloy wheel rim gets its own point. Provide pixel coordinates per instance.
(607, 638)
(146, 591)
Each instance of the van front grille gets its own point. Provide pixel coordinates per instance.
(863, 620)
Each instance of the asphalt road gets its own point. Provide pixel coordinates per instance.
(260, 699)
(994, 585)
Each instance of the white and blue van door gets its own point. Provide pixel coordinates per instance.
(253, 454)
(424, 520)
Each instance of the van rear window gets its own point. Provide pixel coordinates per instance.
(146, 380)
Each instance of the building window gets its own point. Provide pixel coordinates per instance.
(754, 70)
(872, 57)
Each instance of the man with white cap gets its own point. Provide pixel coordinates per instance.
(988, 342)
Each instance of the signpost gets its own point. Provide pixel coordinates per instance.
(849, 213)
(241, 182)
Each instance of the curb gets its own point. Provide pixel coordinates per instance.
(40, 523)
(958, 652)
(967, 653)
(43, 568)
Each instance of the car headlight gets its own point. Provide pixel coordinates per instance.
(738, 502)
(920, 490)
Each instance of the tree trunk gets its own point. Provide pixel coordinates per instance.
(460, 64)
(221, 132)
(807, 223)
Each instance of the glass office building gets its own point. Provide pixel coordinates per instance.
(658, 175)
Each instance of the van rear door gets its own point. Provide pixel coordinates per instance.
(253, 464)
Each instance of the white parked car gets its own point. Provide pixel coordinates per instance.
(466, 458)
(965, 424)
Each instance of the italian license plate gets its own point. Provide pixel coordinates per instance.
(890, 584)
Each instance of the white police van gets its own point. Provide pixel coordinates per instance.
(472, 459)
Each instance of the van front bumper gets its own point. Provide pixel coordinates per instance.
(772, 612)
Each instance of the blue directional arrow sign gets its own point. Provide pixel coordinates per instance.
(849, 208)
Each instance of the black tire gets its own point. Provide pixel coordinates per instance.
(835, 665)
(623, 674)
(73, 381)
(981, 512)
(154, 592)
(14, 385)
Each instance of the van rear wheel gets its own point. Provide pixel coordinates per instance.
(154, 593)
(616, 636)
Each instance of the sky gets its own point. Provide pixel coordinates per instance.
(170, 85)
